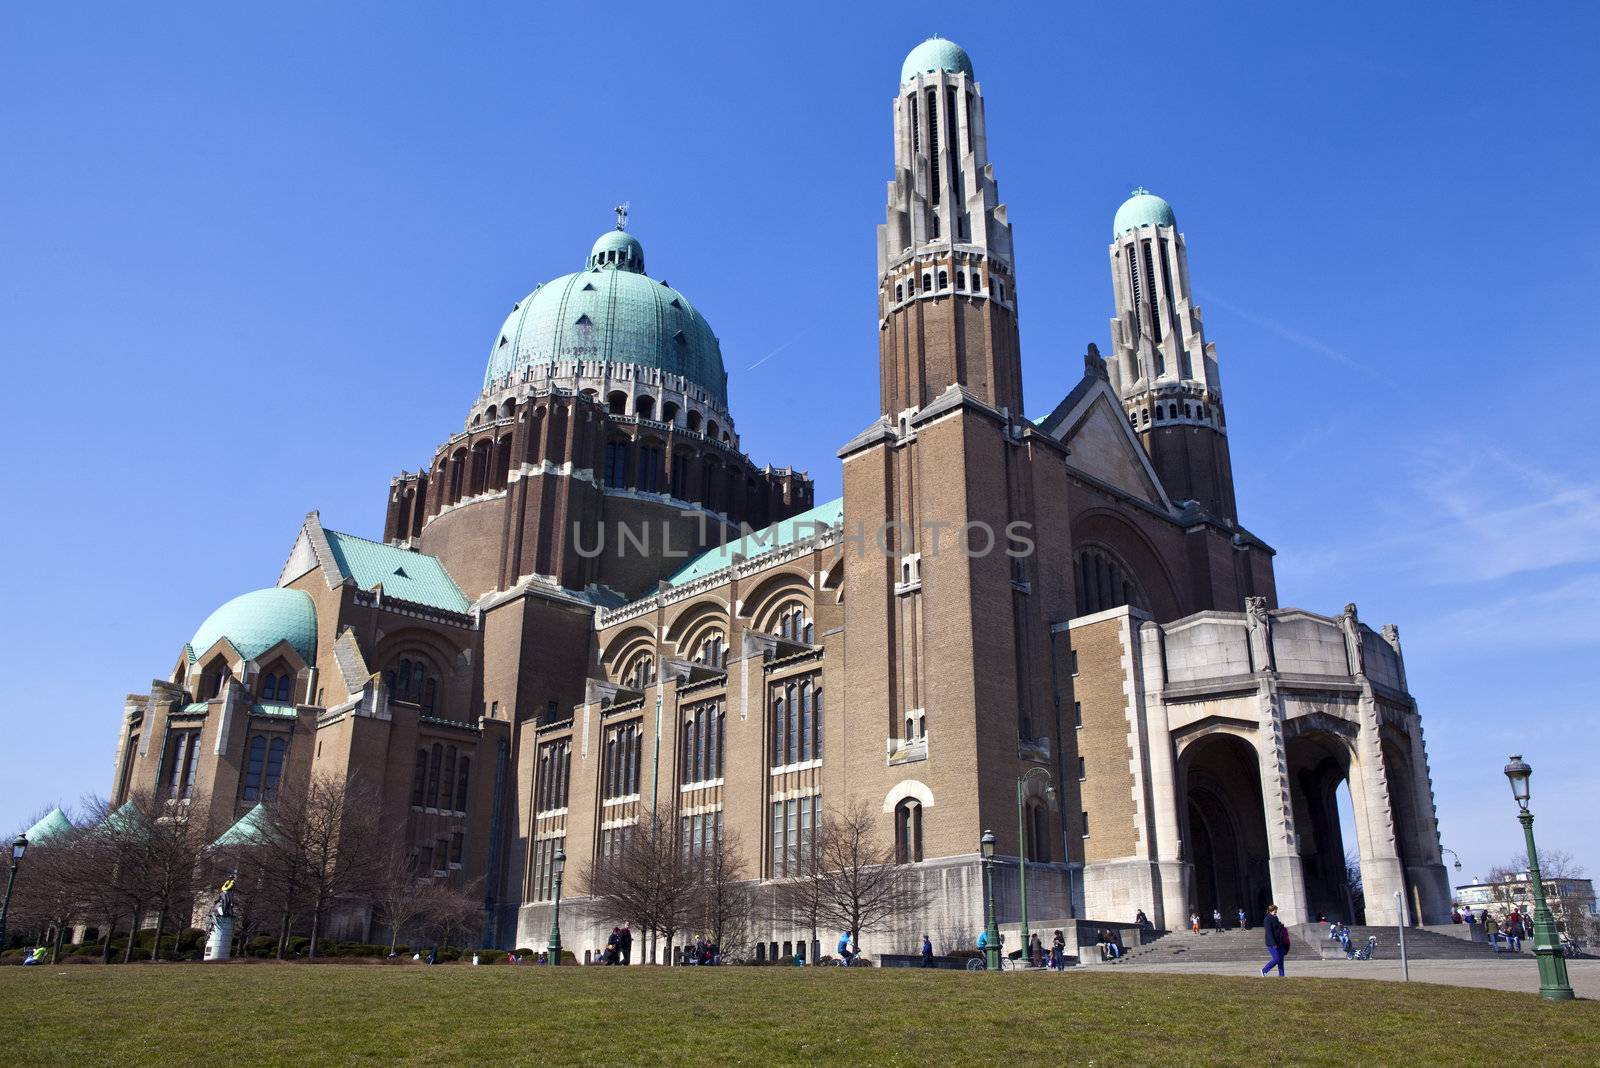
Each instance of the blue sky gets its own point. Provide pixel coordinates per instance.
(251, 263)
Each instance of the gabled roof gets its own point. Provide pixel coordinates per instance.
(779, 535)
(53, 824)
(402, 573)
(1091, 423)
(245, 831)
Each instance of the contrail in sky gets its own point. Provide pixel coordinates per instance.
(1292, 336)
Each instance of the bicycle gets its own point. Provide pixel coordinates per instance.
(980, 963)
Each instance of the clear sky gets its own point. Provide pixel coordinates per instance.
(252, 259)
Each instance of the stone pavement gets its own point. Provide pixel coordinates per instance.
(1518, 975)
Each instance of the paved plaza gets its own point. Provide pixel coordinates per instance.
(1518, 975)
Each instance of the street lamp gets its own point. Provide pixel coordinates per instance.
(991, 952)
(1453, 853)
(18, 847)
(1022, 846)
(557, 865)
(1553, 983)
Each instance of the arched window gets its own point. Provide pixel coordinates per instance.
(419, 779)
(447, 779)
(898, 294)
(644, 407)
(711, 429)
(650, 468)
(285, 687)
(944, 279)
(435, 755)
(269, 686)
(1105, 581)
(617, 402)
(961, 279)
(430, 689)
(908, 831)
(694, 421)
(1036, 825)
(255, 763)
(275, 754)
(461, 783)
(808, 721)
(927, 281)
(616, 473)
(402, 683)
(780, 728)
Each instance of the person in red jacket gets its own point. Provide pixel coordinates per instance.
(1277, 938)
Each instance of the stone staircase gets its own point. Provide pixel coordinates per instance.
(1310, 941)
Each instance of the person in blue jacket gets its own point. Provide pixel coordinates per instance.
(844, 948)
(1277, 939)
(927, 952)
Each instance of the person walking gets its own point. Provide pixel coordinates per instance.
(625, 943)
(1277, 939)
(1194, 922)
(1491, 931)
(927, 952)
(1058, 951)
(1244, 921)
(1216, 919)
(1035, 950)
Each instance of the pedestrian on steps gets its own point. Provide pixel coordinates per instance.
(1277, 939)
(1216, 919)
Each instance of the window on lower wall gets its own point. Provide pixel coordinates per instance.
(794, 825)
(908, 831)
(704, 728)
(184, 760)
(543, 875)
(619, 773)
(457, 846)
(555, 764)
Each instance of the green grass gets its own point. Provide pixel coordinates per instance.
(341, 1014)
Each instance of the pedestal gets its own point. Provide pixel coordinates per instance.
(219, 944)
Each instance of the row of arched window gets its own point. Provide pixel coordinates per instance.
(441, 778)
(1187, 410)
(796, 721)
(703, 736)
(644, 406)
(619, 770)
(555, 766)
(263, 766)
(276, 687)
(793, 625)
(413, 681)
(936, 281)
(1103, 581)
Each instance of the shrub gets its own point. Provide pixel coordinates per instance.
(191, 939)
(81, 958)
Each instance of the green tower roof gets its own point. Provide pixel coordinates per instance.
(54, 823)
(254, 622)
(611, 311)
(935, 54)
(1143, 208)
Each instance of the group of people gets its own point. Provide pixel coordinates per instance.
(1240, 916)
(1109, 943)
(1513, 929)
(619, 946)
(702, 951)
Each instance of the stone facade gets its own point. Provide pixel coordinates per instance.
(1070, 599)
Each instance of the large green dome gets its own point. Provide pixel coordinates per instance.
(1143, 208)
(611, 311)
(254, 622)
(935, 54)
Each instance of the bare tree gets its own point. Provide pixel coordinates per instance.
(722, 902)
(169, 850)
(315, 847)
(51, 897)
(403, 900)
(453, 914)
(648, 882)
(1511, 888)
(851, 880)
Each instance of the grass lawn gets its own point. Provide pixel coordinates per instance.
(340, 1014)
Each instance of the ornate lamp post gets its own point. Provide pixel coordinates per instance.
(1022, 844)
(18, 847)
(1453, 853)
(1553, 983)
(991, 953)
(558, 865)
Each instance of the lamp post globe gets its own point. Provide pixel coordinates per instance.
(991, 930)
(1553, 982)
(558, 865)
(19, 846)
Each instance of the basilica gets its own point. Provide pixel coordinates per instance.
(590, 603)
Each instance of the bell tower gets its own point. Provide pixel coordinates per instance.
(1161, 364)
(947, 296)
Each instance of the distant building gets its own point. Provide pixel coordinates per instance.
(516, 684)
(1571, 901)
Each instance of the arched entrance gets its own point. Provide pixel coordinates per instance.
(1319, 763)
(1225, 827)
